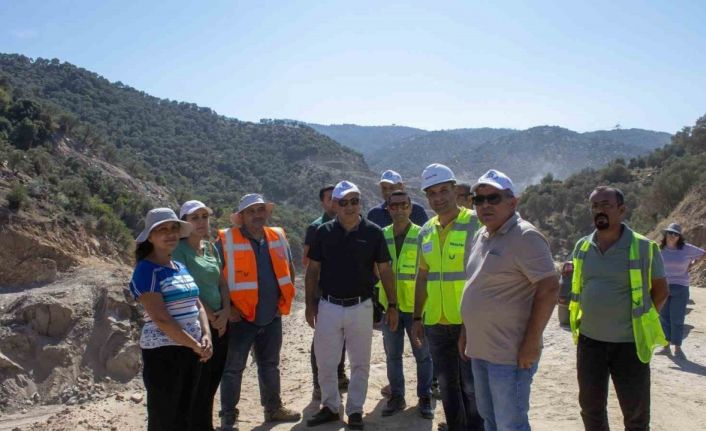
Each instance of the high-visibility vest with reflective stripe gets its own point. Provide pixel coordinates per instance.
(404, 267)
(241, 269)
(646, 327)
(447, 271)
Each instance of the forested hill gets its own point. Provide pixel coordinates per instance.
(667, 184)
(190, 150)
(526, 155)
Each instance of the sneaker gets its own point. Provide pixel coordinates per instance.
(435, 391)
(282, 414)
(316, 394)
(394, 404)
(228, 421)
(323, 416)
(386, 391)
(426, 410)
(343, 384)
(355, 421)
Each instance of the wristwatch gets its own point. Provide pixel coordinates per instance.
(392, 305)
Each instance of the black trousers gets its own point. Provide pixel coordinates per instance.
(315, 368)
(211, 372)
(171, 375)
(596, 362)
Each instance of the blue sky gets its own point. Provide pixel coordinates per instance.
(434, 65)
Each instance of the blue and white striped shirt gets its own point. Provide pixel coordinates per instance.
(180, 294)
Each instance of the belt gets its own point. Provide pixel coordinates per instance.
(345, 302)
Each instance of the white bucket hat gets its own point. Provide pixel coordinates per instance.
(247, 201)
(158, 216)
(190, 207)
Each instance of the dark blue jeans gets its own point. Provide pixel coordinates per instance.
(394, 346)
(268, 344)
(673, 313)
(455, 378)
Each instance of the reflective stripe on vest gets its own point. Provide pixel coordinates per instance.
(404, 267)
(647, 330)
(240, 270)
(447, 271)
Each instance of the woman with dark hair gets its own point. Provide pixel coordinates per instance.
(206, 266)
(678, 257)
(175, 338)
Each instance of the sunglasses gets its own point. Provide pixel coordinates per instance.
(344, 202)
(398, 205)
(492, 199)
(672, 234)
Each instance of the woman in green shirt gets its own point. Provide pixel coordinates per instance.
(206, 265)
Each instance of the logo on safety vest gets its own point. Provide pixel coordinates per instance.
(426, 247)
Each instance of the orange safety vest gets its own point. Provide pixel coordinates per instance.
(241, 269)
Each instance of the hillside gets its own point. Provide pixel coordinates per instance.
(527, 155)
(661, 186)
(191, 151)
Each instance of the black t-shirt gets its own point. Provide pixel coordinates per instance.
(347, 258)
(311, 229)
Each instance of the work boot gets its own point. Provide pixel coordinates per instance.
(426, 410)
(282, 414)
(355, 421)
(228, 421)
(435, 391)
(343, 384)
(316, 394)
(394, 404)
(323, 416)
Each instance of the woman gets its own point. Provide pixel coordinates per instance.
(205, 264)
(678, 257)
(176, 337)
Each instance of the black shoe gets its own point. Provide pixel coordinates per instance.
(394, 404)
(323, 416)
(355, 421)
(442, 427)
(426, 410)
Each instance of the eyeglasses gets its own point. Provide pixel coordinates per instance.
(492, 199)
(398, 205)
(344, 202)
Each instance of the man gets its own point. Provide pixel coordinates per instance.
(329, 214)
(390, 182)
(618, 287)
(507, 301)
(464, 197)
(401, 239)
(260, 277)
(444, 245)
(341, 263)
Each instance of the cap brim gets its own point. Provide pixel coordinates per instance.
(487, 183)
(185, 230)
(672, 231)
(390, 181)
(349, 191)
(268, 205)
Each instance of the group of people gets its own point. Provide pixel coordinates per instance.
(472, 290)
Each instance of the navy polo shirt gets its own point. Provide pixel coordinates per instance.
(381, 217)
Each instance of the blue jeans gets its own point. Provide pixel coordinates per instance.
(673, 313)
(455, 378)
(268, 343)
(394, 346)
(503, 392)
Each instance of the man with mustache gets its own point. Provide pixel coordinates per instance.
(260, 277)
(444, 245)
(507, 301)
(618, 287)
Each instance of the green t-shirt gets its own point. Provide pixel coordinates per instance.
(605, 297)
(206, 270)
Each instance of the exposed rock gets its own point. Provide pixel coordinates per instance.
(46, 315)
(125, 365)
(7, 364)
(136, 398)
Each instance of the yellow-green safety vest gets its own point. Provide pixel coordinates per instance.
(646, 327)
(404, 268)
(447, 269)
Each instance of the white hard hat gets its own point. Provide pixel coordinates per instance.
(436, 173)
